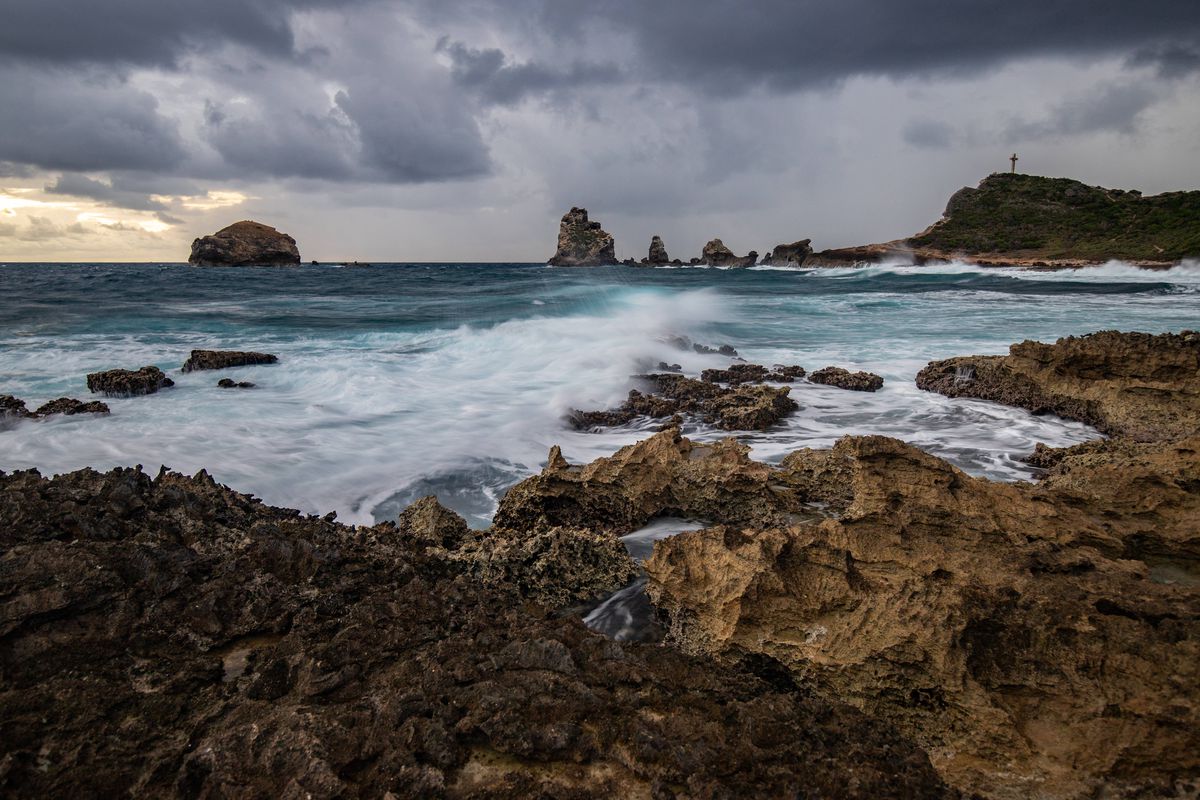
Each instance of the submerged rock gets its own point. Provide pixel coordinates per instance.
(789, 255)
(128, 383)
(224, 359)
(245, 243)
(69, 406)
(230, 383)
(13, 407)
(845, 379)
(208, 645)
(716, 254)
(1137, 385)
(582, 243)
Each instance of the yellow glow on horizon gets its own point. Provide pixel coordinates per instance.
(215, 199)
(9, 202)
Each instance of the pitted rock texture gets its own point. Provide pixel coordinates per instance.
(732, 408)
(1038, 640)
(224, 359)
(665, 475)
(845, 379)
(243, 244)
(752, 373)
(128, 383)
(582, 242)
(70, 406)
(1135, 385)
(170, 637)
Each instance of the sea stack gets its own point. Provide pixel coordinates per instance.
(243, 244)
(789, 255)
(716, 254)
(582, 243)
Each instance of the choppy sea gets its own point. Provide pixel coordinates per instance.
(401, 380)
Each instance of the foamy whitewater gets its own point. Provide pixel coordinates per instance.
(397, 381)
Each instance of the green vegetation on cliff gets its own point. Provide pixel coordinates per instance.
(1059, 218)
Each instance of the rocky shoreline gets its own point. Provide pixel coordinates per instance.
(863, 621)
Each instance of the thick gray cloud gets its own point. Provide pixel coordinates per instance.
(1113, 108)
(83, 121)
(929, 133)
(145, 32)
(496, 79)
(1169, 61)
(74, 185)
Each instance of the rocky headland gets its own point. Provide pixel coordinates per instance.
(245, 243)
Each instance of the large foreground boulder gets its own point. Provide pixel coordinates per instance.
(245, 243)
(168, 637)
(1041, 642)
(583, 243)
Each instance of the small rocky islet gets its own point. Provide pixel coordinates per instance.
(861, 621)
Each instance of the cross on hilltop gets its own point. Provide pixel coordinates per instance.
(1013, 159)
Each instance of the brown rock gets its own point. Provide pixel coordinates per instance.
(128, 383)
(845, 379)
(69, 406)
(716, 254)
(12, 407)
(224, 359)
(658, 253)
(205, 645)
(245, 243)
(1040, 641)
(1128, 384)
(752, 373)
(230, 383)
(582, 243)
(789, 255)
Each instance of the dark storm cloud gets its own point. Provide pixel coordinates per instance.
(1111, 109)
(1169, 61)
(111, 194)
(83, 122)
(499, 81)
(145, 32)
(724, 46)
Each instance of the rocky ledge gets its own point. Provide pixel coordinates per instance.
(716, 254)
(245, 243)
(224, 359)
(582, 242)
(169, 637)
(845, 379)
(14, 408)
(1135, 385)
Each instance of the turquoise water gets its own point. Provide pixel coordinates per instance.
(400, 380)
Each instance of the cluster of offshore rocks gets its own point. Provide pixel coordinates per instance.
(864, 621)
(732, 399)
(1018, 220)
(134, 383)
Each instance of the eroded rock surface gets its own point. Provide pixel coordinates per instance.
(789, 255)
(753, 373)
(224, 359)
(582, 242)
(733, 408)
(1136, 385)
(1040, 641)
(70, 406)
(716, 254)
(845, 379)
(128, 383)
(170, 637)
(245, 243)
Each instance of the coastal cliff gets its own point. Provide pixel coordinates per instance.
(1028, 220)
(582, 242)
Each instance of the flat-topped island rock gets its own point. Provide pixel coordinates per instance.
(244, 244)
(224, 359)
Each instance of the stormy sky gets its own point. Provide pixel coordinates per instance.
(462, 129)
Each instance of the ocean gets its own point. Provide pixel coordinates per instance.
(396, 381)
